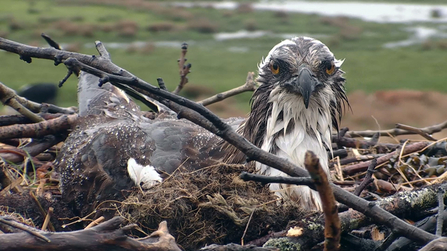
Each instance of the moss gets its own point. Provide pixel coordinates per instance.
(284, 244)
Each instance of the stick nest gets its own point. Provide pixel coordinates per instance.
(210, 205)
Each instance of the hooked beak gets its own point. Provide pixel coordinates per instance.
(304, 83)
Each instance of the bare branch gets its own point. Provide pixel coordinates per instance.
(100, 237)
(40, 129)
(401, 130)
(8, 97)
(249, 85)
(303, 181)
(360, 167)
(183, 69)
(332, 230)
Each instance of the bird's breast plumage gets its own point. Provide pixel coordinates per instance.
(292, 129)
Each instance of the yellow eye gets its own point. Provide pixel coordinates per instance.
(330, 69)
(274, 67)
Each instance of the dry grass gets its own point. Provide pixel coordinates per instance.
(211, 205)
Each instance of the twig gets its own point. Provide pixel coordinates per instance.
(332, 230)
(198, 114)
(95, 222)
(368, 178)
(441, 213)
(415, 131)
(183, 69)
(47, 218)
(249, 85)
(8, 97)
(302, 181)
(9, 221)
(360, 167)
(42, 211)
(396, 131)
(33, 148)
(246, 227)
(399, 160)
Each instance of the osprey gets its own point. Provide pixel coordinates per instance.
(299, 101)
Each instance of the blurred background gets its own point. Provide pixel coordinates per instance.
(396, 53)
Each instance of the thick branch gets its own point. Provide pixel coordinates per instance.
(100, 237)
(332, 231)
(40, 129)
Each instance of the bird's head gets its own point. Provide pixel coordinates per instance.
(302, 66)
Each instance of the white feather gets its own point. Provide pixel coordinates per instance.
(143, 174)
(294, 144)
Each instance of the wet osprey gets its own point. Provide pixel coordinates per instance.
(298, 103)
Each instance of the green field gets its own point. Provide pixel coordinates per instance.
(217, 65)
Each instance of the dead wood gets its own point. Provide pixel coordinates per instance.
(439, 244)
(32, 149)
(8, 97)
(310, 230)
(249, 85)
(368, 178)
(106, 236)
(303, 181)
(183, 69)
(236, 247)
(37, 130)
(360, 167)
(332, 221)
(404, 130)
(26, 107)
(20, 119)
(210, 206)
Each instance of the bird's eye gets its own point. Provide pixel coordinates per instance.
(330, 68)
(274, 67)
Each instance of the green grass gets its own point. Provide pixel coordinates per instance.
(368, 65)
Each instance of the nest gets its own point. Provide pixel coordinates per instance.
(210, 205)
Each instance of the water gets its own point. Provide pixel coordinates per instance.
(371, 12)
